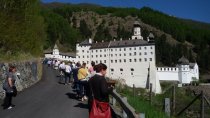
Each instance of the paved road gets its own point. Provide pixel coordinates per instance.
(47, 99)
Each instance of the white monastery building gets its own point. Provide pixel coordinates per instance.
(184, 72)
(132, 60)
(125, 59)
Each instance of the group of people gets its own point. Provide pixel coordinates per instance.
(90, 83)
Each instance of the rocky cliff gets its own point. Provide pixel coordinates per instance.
(30, 73)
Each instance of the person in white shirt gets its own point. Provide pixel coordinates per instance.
(49, 63)
(56, 64)
(67, 74)
(62, 68)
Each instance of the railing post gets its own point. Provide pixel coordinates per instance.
(124, 113)
(113, 101)
(202, 105)
(173, 100)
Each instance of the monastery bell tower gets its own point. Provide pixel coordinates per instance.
(136, 31)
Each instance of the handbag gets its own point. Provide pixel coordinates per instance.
(14, 91)
(99, 109)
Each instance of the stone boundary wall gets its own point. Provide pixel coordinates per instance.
(30, 73)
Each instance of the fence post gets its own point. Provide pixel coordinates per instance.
(167, 106)
(124, 113)
(113, 101)
(141, 115)
(150, 94)
(173, 100)
(202, 105)
(134, 90)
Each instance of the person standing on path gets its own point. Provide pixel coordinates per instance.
(9, 87)
(62, 68)
(67, 74)
(82, 74)
(98, 86)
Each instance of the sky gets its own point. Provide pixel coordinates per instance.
(198, 10)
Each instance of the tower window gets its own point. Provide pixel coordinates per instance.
(121, 69)
(130, 60)
(124, 60)
(134, 53)
(132, 69)
(134, 60)
(111, 61)
(139, 53)
(130, 54)
(115, 61)
(140, 60)
(112, 69)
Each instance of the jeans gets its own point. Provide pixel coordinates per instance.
(8, 100)
(67, 77)
(83, 88)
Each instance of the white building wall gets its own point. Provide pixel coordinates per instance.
(83, 54)
(132, 63)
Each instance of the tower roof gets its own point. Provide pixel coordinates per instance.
(183, 61)
(55, 47)
(136, 23)
(151, 35)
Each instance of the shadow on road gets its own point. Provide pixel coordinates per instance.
(82, 105)
(72, 96)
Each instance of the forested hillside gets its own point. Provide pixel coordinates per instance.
(175, 37)
(21, 27)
